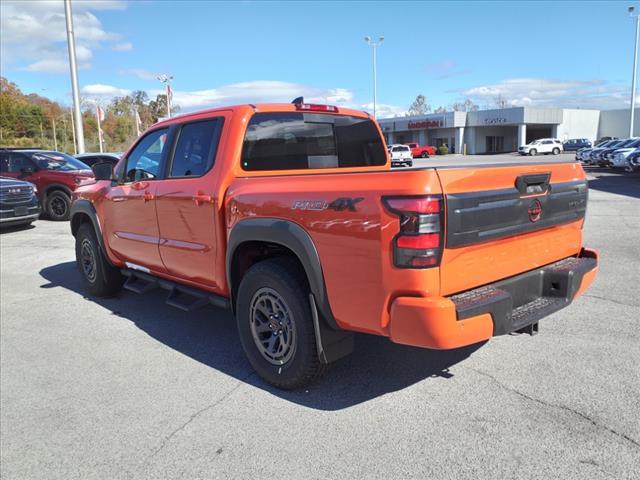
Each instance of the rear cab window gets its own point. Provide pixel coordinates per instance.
(304, 141)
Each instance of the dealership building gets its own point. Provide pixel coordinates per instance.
(505, 129)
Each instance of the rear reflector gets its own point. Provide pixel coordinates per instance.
(315, 107)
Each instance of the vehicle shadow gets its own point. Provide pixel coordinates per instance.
(16, 228)
(376, 367)
(618, 181)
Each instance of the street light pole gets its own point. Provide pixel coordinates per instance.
(374, 44)
(635, 62)
(71, 43)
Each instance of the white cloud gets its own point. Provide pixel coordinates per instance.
(101, 90)
(33, 33)
(546, 92)
(257, 91)
(122, 47)
(384, 110)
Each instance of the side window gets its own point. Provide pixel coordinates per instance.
(4, 162)
(12, 162)
(144, 161)
(196, 147)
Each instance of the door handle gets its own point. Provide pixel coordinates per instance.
(148, 196)
(201, 198)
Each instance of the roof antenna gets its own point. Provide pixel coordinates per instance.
(298, 100)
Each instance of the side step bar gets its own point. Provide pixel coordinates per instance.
(180, 296)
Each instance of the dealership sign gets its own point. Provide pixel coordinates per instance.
(495, 121)
(436, 123)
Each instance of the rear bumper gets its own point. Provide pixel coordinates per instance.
(496, 309)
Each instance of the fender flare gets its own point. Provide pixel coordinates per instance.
(85, 207)
(295, 238)
(55, 186)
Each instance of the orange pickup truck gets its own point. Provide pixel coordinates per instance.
(290, 215)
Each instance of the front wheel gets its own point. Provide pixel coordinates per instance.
(58, 205)
(533, 152)
(275, 324)
(100, 278)
(556, 151)
(424, 155)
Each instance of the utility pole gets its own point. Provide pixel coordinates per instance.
(55, 140)
(375, 44)
(635, 62)
(73, 67)
(73, 134)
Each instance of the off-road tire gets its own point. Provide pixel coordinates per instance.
(284, 278)
(100, 278)
(58, 206)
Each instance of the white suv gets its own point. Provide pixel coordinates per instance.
(544, 145)
(401, 155)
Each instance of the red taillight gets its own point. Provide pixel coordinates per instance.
(315, 107)
(429, 240)
(419, 242)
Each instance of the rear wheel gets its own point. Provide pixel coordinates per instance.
(533, 152)
(58, 205)
(100, 278)
(424, 154)
(275, 324)
(556, 151)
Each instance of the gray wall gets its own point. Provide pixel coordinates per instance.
(615, 123)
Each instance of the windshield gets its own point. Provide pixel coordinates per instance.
(57, 161)
(627, 143)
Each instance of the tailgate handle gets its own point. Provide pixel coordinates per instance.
(533, 184)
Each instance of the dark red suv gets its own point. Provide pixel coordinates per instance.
(55, 174)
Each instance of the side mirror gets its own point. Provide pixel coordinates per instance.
(27, 170)
(103, 171)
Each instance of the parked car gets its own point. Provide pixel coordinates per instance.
(604, 154)
(55, 174)
(18, 202)
(227, 221)
(543, 145)
(91, 159)
(618, 157)
(621, 159)
(594, 155)
(606, 139)
(575, 144)
(583, 154)
(400, 155)
(633, 161)
(421, 151)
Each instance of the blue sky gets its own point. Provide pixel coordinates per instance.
(574, 54)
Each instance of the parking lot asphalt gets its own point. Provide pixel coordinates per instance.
(130, 388)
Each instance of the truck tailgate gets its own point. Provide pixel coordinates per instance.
(502, 221)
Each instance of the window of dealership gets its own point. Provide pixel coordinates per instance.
(503, 130)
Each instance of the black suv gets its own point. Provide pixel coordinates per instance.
(18, 202)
